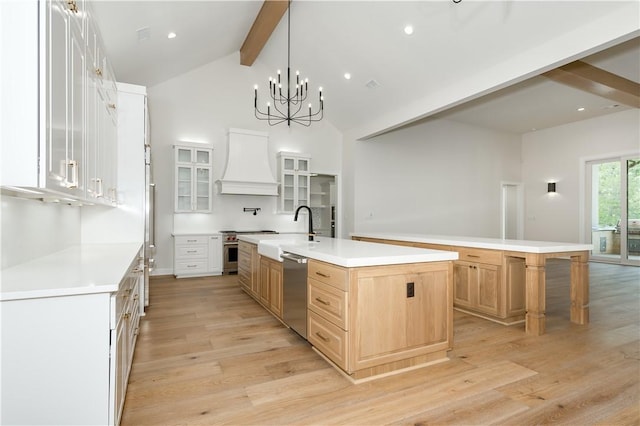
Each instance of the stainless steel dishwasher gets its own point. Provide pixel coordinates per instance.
(294, 292)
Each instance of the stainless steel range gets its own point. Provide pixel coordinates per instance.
(230, 249)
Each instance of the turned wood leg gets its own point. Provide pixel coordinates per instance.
(535, 301)
(580, 288)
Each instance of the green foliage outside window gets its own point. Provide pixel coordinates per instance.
(609, 192)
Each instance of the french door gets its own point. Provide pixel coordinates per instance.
(613, 209)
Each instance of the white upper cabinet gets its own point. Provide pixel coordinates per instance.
(193, 178)
(294, 177)
(60, 95)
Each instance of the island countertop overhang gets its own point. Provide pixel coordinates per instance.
(524, 246)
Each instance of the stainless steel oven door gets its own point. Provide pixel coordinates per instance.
(230, 264)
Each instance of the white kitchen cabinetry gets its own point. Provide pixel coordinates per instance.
(197, 255)
(294, 178)
(193, 178)
(48, 56)
(69, 327)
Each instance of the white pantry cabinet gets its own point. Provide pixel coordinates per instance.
(69, 326)
(59, 129)
(294, 176)
(193, 178)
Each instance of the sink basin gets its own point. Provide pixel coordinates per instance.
(272, 248)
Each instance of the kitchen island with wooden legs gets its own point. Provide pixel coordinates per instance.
(515, 287)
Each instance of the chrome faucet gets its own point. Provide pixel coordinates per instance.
(295, 218)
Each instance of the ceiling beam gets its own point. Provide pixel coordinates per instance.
(267, 20)
(588, 78)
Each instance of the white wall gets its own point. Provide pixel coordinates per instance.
(439, 177)
(31, 229)
(558, 154)
(201, 106)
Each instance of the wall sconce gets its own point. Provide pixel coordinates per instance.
(551, 187)
(255, 210)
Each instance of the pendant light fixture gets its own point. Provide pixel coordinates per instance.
(286, 104)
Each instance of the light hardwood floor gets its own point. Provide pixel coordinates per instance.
(208, 354)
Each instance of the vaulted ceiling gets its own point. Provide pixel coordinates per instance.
(451, 44)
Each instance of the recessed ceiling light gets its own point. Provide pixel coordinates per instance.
(347, 76)
(408, 30)
(581, 109)
(171, 35)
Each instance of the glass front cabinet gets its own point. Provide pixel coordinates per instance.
(294, 175)
(193, 179)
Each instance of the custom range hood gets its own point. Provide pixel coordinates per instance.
(248, 171)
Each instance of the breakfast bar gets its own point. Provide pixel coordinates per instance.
(534, 254)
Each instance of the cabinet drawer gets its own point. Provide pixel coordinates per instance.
(329, 274)
(328, 302)
(195, 239)
(493, 257)
(190, 267)
(329, 339)
(192, 251)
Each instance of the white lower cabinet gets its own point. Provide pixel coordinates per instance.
(66, 359)
(197, 255)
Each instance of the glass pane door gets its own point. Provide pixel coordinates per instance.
(614, 193)
(633, 208)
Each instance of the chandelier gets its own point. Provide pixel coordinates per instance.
(288, 102)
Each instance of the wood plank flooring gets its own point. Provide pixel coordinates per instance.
(208, 354)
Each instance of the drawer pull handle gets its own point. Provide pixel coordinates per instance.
(192, 266)
(473, 255)
(324, 302)
(192, 251)
(325, 339)
(191, 241)
(323, 275)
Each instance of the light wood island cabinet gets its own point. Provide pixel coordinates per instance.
(260, 277)
(487, 283)
(271, 285)
(371, 320)
(378, 319)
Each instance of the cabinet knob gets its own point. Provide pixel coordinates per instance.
(98, 72)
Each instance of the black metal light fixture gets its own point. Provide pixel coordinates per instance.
(551, 187)
(287, 106)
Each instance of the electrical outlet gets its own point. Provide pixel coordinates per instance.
(410, 290)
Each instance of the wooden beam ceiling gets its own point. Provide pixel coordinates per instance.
(270, 14)
(583, 76)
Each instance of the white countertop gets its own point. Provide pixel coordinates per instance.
(257, 238)
(349, 253)
(485, 243)
(82, 269)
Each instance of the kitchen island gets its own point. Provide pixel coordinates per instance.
(504, 254)
(372, 309)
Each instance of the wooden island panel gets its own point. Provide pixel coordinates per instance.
(521, 292)
(397, 316)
